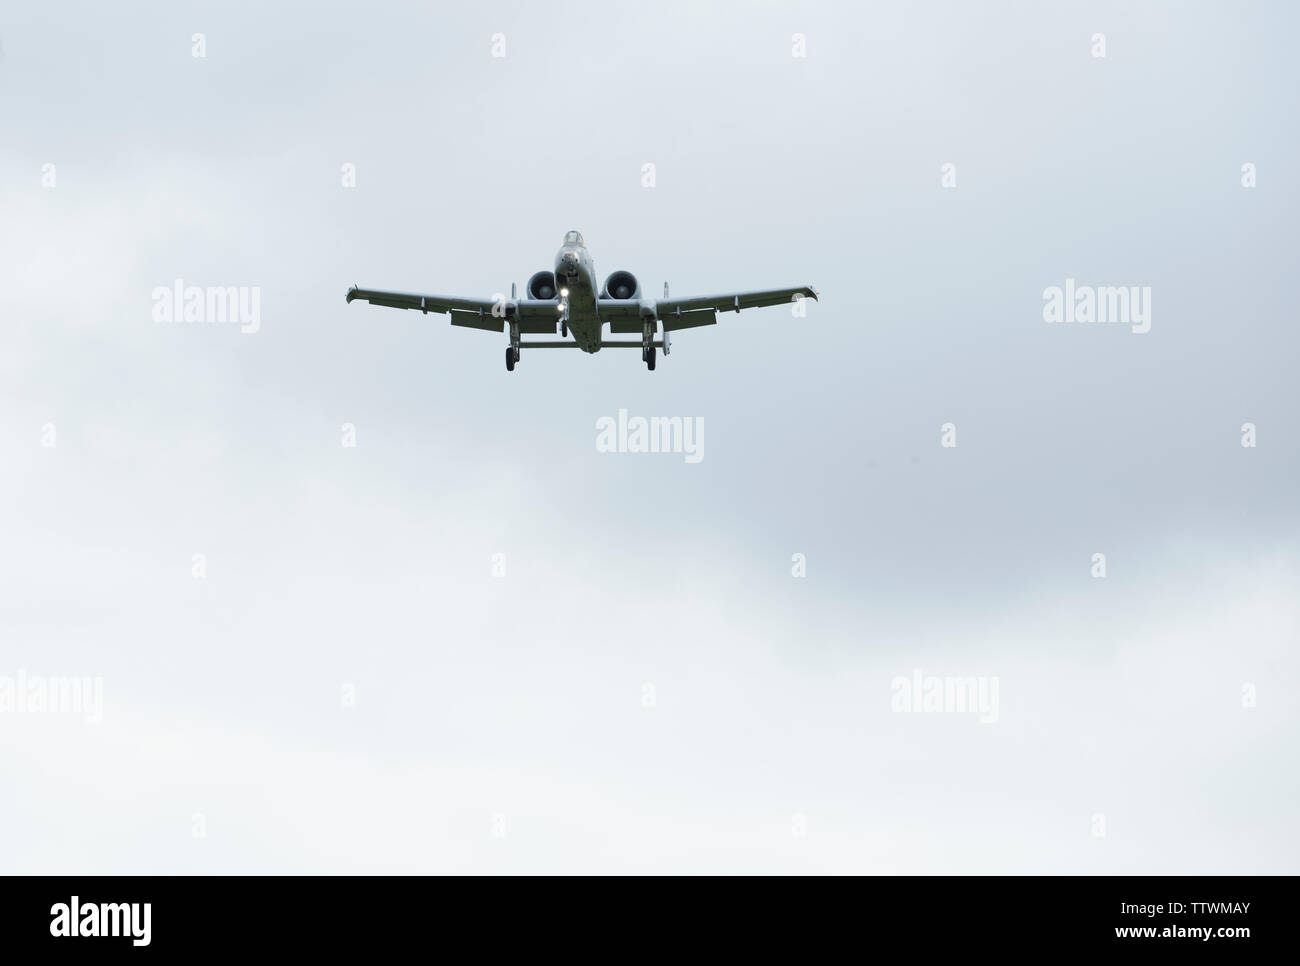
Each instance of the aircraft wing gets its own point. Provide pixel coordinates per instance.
(470, 312)
(735, 301)
(685, 313)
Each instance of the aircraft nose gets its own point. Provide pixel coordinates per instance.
(569, 262)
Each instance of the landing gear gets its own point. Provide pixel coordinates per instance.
(564, 329)
(512, 350)
(648, 344)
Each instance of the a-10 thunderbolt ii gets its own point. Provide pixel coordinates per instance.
(569, 300)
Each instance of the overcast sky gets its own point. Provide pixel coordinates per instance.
(346, 686)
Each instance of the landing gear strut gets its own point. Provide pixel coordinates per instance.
(648, 345)
(512, 350)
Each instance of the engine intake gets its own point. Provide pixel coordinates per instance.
(542, 286)
(622, 285)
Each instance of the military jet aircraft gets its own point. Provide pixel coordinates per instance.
(569, 300)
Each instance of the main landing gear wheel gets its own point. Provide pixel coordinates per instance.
(511, 358)
(649, 358)
(564, 330)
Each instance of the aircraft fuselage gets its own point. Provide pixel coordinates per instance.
(575, 273)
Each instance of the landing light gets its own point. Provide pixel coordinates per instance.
(564, 292)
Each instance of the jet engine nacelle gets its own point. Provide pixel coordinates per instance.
(621, 285)
(542, 286)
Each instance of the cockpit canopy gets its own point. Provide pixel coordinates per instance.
(574, 238)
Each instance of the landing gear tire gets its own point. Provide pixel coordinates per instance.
(511, 358)
(564, 330)
(649, 358)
